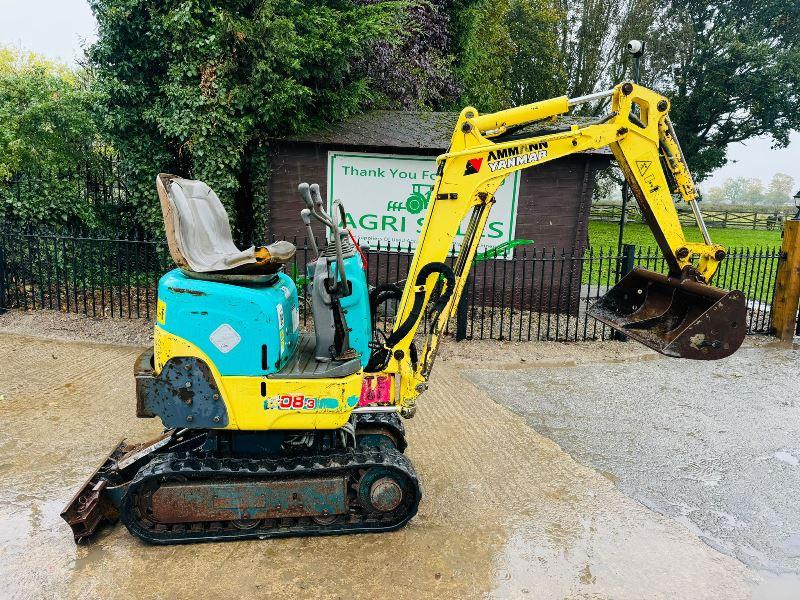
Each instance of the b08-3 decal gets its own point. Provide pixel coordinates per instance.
(290, 402)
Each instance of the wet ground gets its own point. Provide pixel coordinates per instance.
(714, 446)
(506, 512)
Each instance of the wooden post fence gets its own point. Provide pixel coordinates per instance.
(787, 283)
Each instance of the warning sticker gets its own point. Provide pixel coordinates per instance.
(279, 310)
(225, 338)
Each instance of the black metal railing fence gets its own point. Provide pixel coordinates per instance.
(93, 194)
(534, 294)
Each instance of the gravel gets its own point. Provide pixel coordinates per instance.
(74, 327)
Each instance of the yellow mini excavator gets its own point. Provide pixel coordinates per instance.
(271, 431)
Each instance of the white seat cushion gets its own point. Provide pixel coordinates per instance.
(202, 230)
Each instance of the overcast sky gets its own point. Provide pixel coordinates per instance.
(59, 29)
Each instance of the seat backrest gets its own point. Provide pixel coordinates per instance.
(197, 227)
(163, 181)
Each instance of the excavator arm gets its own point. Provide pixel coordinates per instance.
(652, 308)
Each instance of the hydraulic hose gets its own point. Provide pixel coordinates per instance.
(380, 355)
(379, 295)
(419, 299)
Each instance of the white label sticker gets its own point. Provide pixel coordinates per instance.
(225, 338)
(286, 292)
(279, 310)
(295, 319)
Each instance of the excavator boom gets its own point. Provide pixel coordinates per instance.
(679, 315)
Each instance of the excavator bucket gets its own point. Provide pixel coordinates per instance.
(677, 317)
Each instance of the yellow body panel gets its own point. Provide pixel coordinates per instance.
(327, 403)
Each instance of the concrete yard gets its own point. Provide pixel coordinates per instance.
(622, 508)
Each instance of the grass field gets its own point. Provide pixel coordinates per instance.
(604, 235)
(750, 266)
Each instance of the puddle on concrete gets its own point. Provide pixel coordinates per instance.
(787, 457)
(598, 557)
(777, 587)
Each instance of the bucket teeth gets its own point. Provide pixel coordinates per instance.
(677, 317)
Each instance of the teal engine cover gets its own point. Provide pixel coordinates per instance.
(244, 329)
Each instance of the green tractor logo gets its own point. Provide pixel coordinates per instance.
(416, 202)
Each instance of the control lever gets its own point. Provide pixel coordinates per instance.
(337, 233)
(305, 193)
(317, 196)
(319, 205)
(336, 290)
(305, 214)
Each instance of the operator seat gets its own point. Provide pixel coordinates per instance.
(200, 240)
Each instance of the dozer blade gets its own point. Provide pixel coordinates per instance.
(92, 505)
(97, 502)
(677, 317)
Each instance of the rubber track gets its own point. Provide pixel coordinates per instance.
(192, 467)
(390, 421)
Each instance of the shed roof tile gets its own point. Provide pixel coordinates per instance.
(402, 129)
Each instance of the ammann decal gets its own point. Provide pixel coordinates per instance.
(524, 154)
(473, 166)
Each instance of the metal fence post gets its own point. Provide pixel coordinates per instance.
(787, 283)
(462, 312)
(626, 263)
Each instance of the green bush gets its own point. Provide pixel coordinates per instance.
(198, 88)
(46, 130)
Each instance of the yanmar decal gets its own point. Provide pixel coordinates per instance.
(473, 166)
(507, 158)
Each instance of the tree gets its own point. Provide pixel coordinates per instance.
(737, 190)
(415, 73)
(198, 87)
(592, 38)
(731, 69)
(715, 195)
(780, 188)
(46, 127)
(507, 52)
(732, 72)
(45, 120)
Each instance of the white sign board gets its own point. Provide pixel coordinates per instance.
(386, 197)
